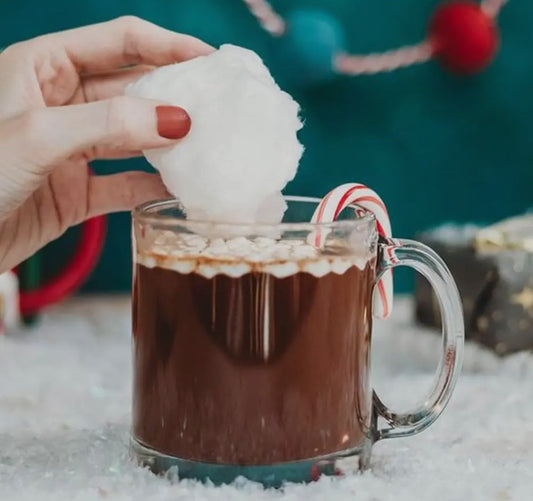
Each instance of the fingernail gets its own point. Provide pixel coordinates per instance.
(172, 122)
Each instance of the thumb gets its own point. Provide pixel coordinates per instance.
(122, 124)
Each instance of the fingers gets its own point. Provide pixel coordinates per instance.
(122, 192)
(107, 85)
(109, 154)
(47, 136)
(125, 41)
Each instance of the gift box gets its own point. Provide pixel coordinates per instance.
(493, 269)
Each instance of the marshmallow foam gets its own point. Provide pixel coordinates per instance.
(188, 253)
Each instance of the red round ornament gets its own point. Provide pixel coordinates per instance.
(463, 37)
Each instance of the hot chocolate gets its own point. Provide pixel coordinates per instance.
(251, 352)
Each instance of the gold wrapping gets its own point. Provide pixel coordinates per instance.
(515, 233)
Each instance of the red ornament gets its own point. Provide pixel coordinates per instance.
(463, 37)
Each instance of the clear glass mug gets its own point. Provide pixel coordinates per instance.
(252, 354)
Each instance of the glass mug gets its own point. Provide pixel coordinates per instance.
(252, 354)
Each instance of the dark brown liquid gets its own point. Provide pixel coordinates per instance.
(251, 370)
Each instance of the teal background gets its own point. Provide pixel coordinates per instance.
(435, 146)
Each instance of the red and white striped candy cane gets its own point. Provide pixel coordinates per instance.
(365, 200)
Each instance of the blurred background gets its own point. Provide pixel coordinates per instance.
(435, 146)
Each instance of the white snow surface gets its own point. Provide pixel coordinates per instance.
(65, 414)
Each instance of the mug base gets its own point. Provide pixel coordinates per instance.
(275, 475)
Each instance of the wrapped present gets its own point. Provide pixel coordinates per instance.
(493, 268)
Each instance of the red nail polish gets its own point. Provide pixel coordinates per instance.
(172, 122)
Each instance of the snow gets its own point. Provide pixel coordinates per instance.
(64, 419)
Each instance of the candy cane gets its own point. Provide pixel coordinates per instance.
(365, 201)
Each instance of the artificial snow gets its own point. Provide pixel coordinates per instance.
(65, 413)
(242, 148)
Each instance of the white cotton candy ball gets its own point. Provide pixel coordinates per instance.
(242, 148)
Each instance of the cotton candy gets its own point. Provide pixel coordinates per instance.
(242, 148)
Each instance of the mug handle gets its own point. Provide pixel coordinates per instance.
(73, 274)
(395, 253)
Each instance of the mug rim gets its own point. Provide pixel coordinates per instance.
(141, 215)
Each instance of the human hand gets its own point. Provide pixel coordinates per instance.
(61, 106)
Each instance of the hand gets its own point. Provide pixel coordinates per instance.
(61, 106)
